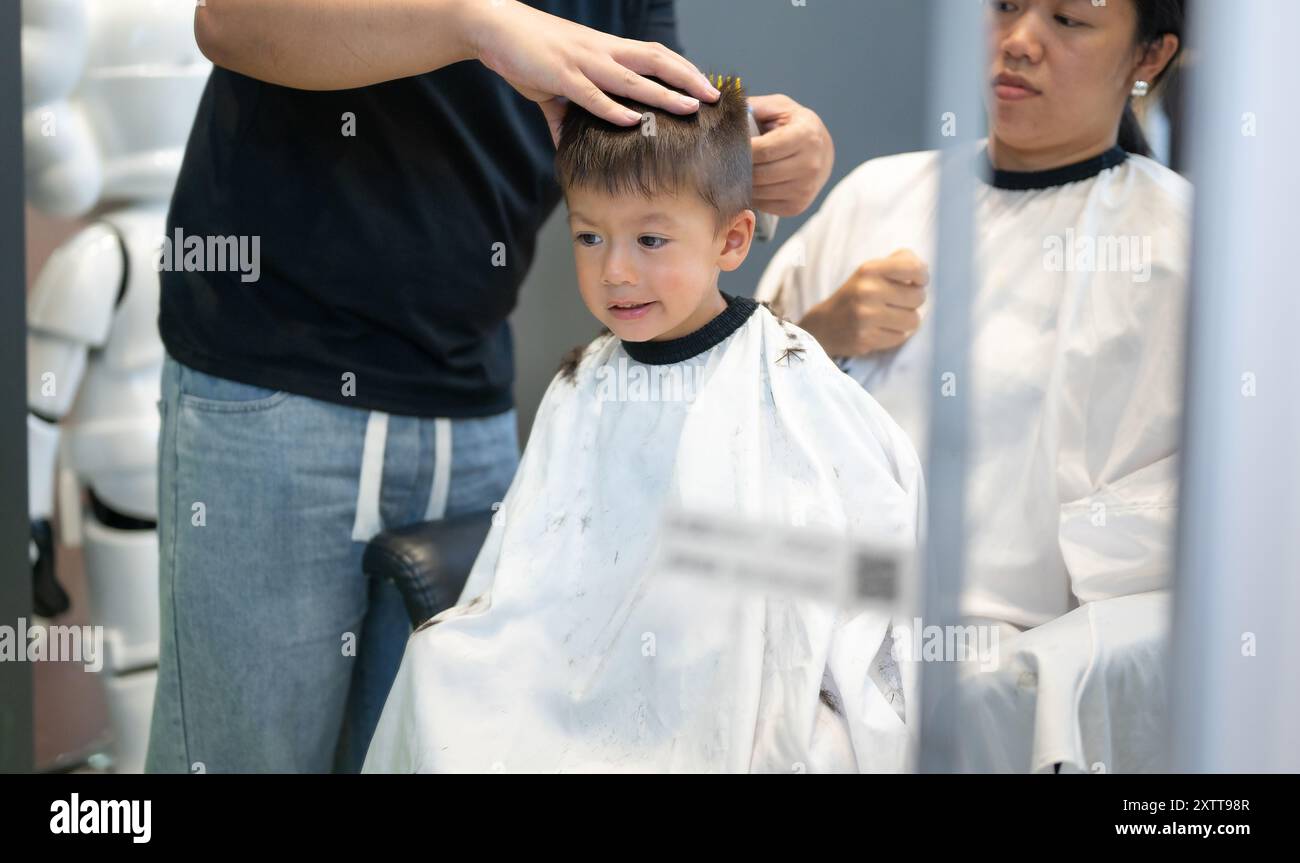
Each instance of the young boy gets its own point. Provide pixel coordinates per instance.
(566, 652)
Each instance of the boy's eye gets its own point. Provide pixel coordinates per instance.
(586, 239)
(1068, 23)
(652, 242)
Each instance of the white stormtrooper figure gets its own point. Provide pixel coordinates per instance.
(110, 89)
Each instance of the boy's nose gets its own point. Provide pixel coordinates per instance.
(617, 270)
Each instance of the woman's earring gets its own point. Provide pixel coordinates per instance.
(1141, 88)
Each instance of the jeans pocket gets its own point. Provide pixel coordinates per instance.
(205, 392)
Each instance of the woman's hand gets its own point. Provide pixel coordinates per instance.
(553, 61)
(875, 310)
(343, 44)
(792, 158)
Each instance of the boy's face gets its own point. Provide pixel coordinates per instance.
(648, 267)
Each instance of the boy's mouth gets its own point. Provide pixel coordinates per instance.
(629, 311)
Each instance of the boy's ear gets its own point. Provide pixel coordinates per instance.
(737, 237)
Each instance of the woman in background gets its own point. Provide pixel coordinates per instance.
(1077, 322)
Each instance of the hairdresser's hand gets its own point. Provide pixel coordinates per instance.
(553, 61)
(876, 309)
(792, 158)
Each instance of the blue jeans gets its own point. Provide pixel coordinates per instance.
(276, 651)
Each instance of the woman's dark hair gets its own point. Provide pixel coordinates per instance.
(1155, 19)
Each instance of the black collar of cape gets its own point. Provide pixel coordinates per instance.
(711, 334)
(1023, 181)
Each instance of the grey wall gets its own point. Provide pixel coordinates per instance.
(15, 576)
(858, 63)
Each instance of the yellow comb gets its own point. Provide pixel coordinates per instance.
(722, 82)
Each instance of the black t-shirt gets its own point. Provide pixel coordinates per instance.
(389, 258)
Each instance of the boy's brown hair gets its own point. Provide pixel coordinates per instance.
(707, 152)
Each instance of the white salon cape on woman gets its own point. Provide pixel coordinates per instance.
(568, 653)
(1074, 404)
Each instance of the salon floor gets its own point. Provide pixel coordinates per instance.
(71, 714)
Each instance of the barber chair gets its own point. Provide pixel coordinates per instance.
(429, 562)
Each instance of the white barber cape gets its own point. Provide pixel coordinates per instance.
(567, 654)
(1085, 691)
(1075, 375)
